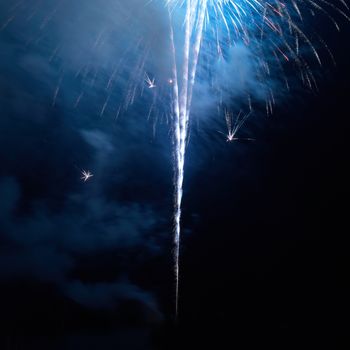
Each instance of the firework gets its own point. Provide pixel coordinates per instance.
(86, 175)
(233, 127)
(269, 28)
(273, 37)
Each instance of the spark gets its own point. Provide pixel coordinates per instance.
(86, 175)
(232, 129)
(150, 82)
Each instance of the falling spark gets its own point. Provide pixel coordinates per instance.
(150, 82)
(233, 129)
(86, 175)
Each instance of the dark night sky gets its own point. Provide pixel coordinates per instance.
(89, 265)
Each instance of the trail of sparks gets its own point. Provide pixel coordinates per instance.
(245, 20)
(182, 105)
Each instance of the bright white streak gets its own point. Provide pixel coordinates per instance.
(261, 16)
(182, 106)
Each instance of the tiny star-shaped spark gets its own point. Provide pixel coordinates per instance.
(86, 175)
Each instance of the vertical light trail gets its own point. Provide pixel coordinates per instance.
(273, 28)
(196, 49)
(178, 195)
(194, 22)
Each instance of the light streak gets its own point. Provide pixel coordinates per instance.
(261, 25)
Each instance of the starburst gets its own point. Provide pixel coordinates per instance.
(86, 175)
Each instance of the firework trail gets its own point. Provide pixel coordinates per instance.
(181, 107)
(270, 33)
(263, 25)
